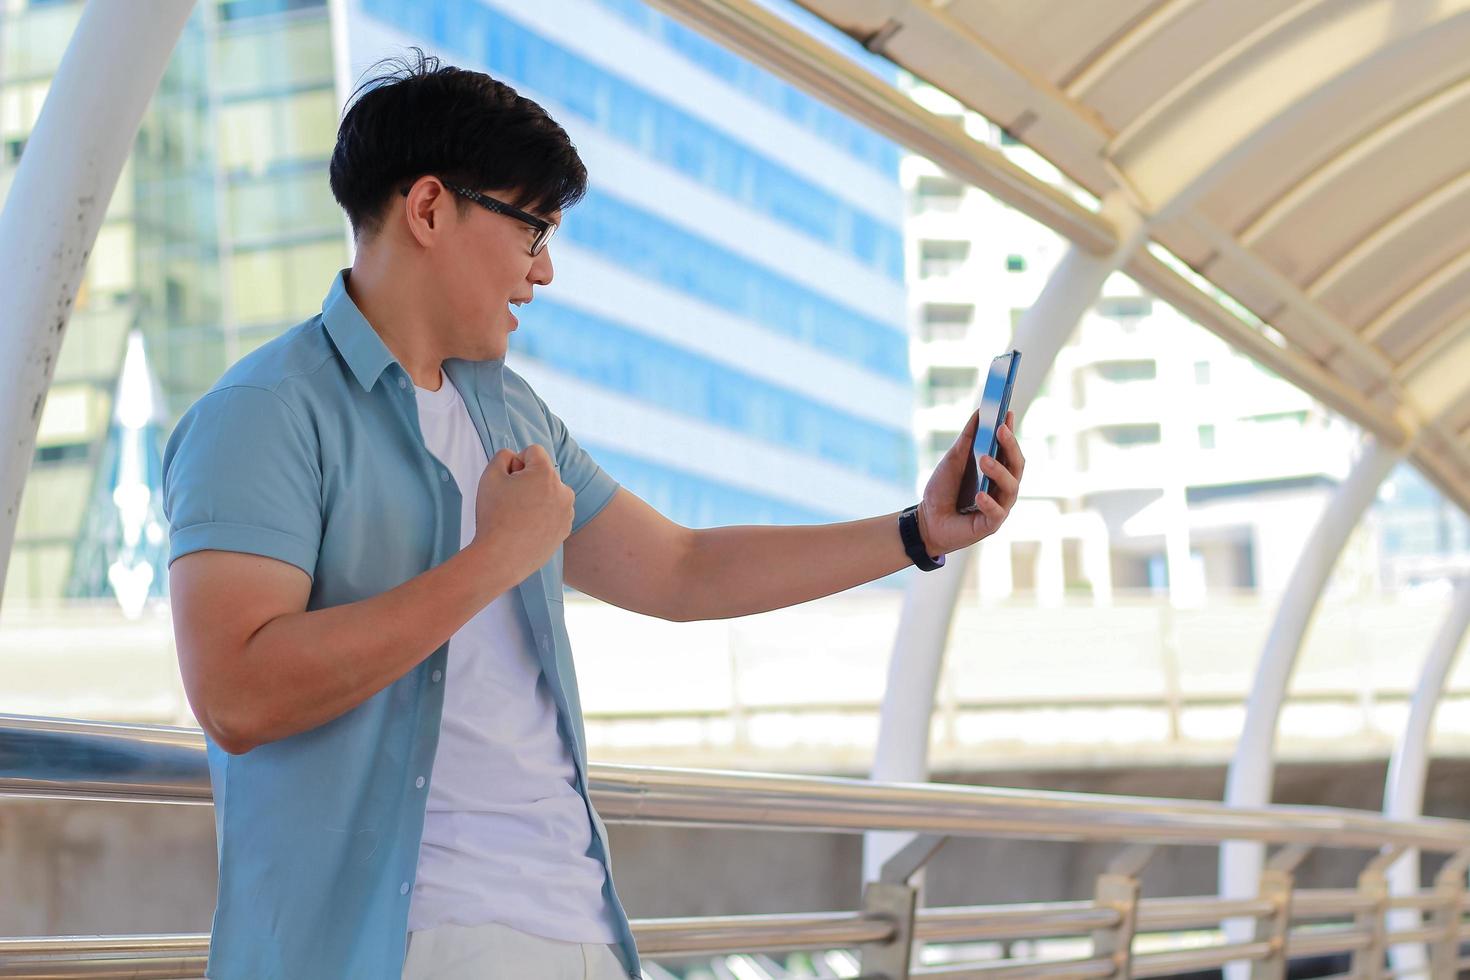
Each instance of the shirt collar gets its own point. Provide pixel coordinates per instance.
(356, 340)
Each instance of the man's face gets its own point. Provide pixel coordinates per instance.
(491, 272)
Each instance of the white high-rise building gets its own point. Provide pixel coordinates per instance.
(1158, 458)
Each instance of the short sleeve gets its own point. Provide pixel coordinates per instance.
(242, 473)
(591, 483)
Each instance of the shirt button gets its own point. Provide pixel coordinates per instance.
(419, 783)
(403, 888)
(437, 676)
(444, 476)
(403, 383)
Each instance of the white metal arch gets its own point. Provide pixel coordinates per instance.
(1403, 792)
(919, 642)
(1304, 74)
(56, 204)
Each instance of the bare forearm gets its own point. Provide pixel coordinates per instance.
(302, 670)
(736, 571)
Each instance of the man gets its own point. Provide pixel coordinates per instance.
(372, 520)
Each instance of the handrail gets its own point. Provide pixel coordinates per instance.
(185, 954)
(69, 759)
(59, 758)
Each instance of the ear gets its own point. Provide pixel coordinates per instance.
(426, 210)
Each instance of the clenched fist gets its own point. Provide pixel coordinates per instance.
(523, 512)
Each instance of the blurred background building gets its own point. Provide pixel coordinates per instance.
(1162, 461)
(703, 338)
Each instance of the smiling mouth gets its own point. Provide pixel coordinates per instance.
(511, 306)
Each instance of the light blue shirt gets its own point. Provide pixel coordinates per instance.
(309, 451)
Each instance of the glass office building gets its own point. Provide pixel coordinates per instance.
(726, 329)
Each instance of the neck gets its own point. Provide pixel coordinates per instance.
(394, 305)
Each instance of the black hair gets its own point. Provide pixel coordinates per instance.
(418, 117)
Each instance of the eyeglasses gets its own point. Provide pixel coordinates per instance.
(544, 229)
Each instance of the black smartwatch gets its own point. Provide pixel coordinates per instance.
(913, 541)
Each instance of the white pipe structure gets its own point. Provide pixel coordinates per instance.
(1403, 793)
(1252, 768)
(902, 753)
(66, 176)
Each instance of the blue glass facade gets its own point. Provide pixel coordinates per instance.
(469, 29)
(611, 356)
(695, 501)
(857, 141)
(655, 249)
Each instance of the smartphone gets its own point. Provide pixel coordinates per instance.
(994, 404)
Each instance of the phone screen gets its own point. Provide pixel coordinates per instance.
(994, 401)
(995, 387)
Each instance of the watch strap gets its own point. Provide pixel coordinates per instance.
(913, 541)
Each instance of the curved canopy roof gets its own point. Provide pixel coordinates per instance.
(1311, 159)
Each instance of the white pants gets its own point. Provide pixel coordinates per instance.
(493, 952)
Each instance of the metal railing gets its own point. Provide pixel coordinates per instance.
(1126, 935)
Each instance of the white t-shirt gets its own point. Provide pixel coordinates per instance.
(506, 834)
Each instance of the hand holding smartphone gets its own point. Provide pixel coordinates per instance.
(994, 403)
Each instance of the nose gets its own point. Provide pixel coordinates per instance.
(541, 271)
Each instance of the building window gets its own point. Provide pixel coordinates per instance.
(940, 193)
(13, 149)
(939, 442)
(947, 385)
(1146, 434)
(941, 258)
(1298, 418)
(946, 321)
(70, 452)
(1125, 307)
(1207, 437)
(1122, 372)
(1201, 372)
(1015, 263)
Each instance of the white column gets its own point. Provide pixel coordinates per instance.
(1248, 782)
(913, 670)
(1097, 560)
(1051, 572)
(1186, 581)
(997, 578)
(1185, 585)
(1403, 794)
(63, 184)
